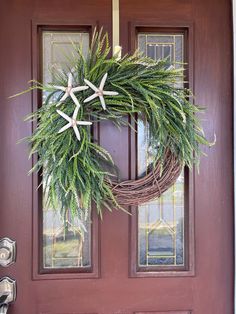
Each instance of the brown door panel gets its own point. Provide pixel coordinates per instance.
(208, 289)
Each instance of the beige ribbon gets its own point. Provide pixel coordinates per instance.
(116, 29)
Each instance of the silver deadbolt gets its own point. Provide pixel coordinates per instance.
(7, 252)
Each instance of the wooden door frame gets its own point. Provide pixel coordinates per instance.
(37, 27)
(234, 100)
(187, 29)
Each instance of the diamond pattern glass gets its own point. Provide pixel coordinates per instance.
(64, 246)
(161, 221)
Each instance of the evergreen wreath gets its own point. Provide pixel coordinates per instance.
(76, 170)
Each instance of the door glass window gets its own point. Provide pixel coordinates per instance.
(63, 244)
(161, 222)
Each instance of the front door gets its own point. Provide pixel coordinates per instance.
(173, 255)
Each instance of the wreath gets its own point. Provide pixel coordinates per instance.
(75, 169)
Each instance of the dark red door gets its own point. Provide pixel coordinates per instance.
(173, 255)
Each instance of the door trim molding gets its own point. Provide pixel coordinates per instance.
(234, 100)
(75, 273)
(188, 30)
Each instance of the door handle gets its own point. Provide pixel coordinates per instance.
(7, 252)
(7, 293)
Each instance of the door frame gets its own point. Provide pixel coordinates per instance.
(37, 28)
(234, 100)
(187, 29)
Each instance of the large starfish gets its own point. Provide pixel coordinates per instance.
(99, 92)
(69, 91)
(72, 122)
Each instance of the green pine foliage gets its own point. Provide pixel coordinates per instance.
(75, 173)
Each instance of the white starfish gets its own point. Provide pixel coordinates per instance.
(99, 92)
(69, 91)
(72, 122)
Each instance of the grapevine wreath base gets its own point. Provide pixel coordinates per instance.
(149, 187)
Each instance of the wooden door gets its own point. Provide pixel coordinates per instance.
(132, 266)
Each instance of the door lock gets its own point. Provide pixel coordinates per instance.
(7, 252)
(7, 293)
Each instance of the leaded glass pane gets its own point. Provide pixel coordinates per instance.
(63, 243)
(59, 51)
(64, 246)
(161, 221)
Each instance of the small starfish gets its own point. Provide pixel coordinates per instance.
(99, 92)
(69, 91)
(72, 122)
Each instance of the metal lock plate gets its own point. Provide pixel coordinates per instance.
(7, 290)
(7, 252)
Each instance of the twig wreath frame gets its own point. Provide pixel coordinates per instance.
(75, 169)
